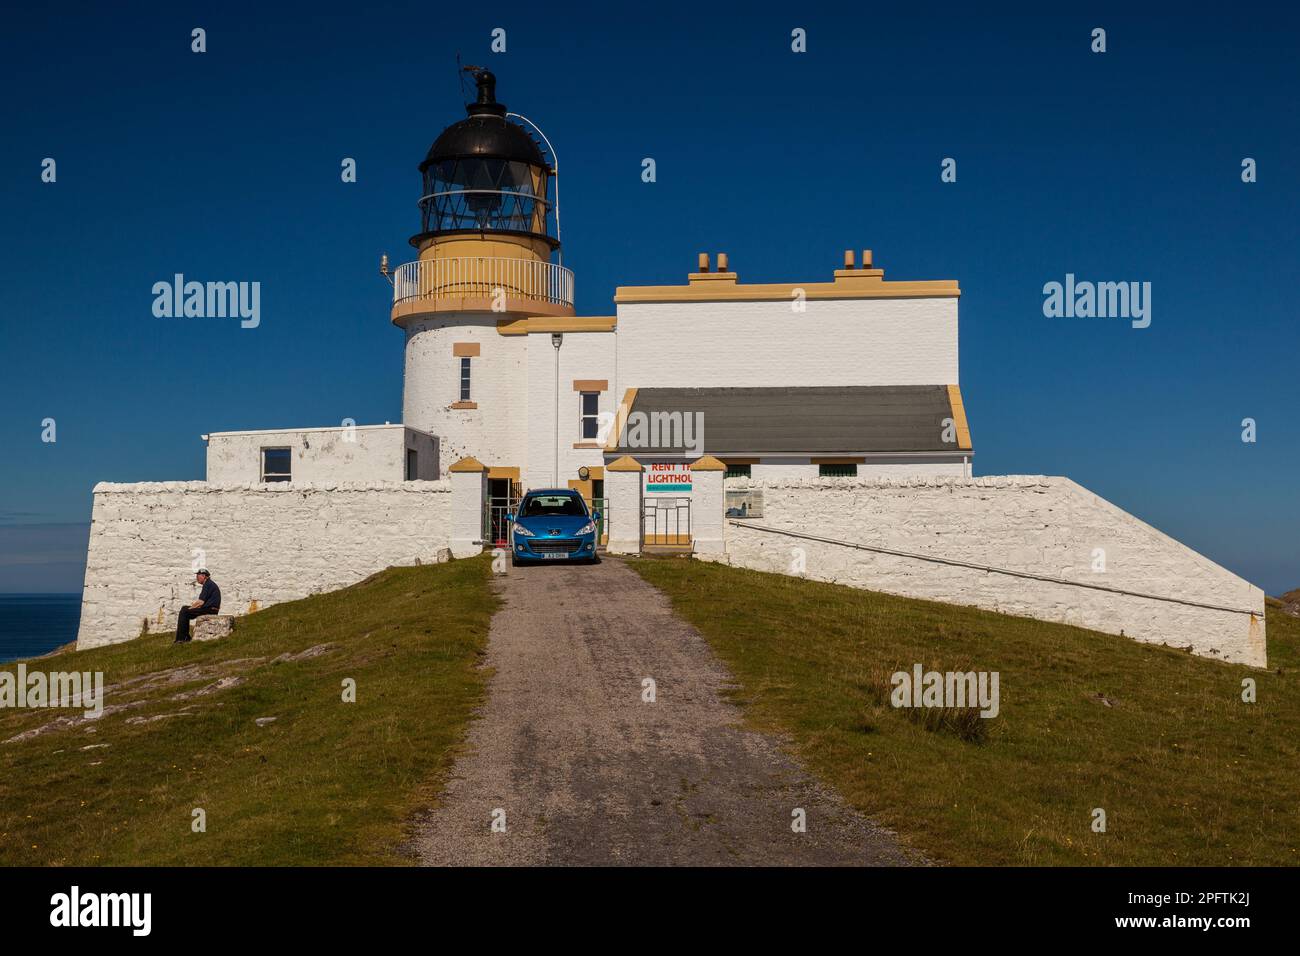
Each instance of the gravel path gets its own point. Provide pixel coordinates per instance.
(588, 773)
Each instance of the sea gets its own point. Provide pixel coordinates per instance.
(34, 624)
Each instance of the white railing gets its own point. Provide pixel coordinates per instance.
(483, 276)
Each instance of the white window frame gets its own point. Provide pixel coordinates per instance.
(583, 416)
(275, 476)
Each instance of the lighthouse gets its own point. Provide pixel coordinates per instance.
(826, 407)
(487, 264)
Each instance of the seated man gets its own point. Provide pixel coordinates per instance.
(209, 602)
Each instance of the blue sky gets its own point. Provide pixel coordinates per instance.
(225, 165)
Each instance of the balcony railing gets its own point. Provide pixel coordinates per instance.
(483, 277)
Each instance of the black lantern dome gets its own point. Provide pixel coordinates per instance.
(486, 174)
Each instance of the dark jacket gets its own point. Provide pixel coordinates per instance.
(210, 595)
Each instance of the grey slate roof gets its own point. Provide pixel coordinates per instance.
(820, 420)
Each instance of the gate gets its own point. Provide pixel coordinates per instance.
(666, 521)
(602, 523)
(496, 529)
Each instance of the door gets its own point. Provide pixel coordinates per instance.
(502, 496)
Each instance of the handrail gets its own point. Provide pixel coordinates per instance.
(936, 559)
(485, 192)
(483, 276)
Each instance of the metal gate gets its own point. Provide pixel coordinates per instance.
(601, 506)
(496, 529)
(666, 521)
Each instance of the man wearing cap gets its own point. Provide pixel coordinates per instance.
(209, 602)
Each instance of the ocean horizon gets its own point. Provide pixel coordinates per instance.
(35, 624)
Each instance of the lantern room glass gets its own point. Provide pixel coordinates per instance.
(485, 194)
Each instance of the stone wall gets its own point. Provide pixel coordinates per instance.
(262, 542)
(1033, 525)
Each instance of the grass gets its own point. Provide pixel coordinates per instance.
(1187, 773)
(326, 783)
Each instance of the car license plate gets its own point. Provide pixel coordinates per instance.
(555, 554)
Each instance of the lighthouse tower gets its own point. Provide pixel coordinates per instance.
(488, 234)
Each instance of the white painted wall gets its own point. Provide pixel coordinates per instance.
(1044, 526)
(360, 453)
(708, 528)
(583, 355)
(802, 469)
(835, 342)
(496, 432)
(468, 491)
(692, 344)
(798, 469)
(623, 518)
(263, 542)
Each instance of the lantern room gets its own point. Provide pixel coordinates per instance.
(485, 175)
(489, 224)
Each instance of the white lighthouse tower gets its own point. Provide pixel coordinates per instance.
(485, 271)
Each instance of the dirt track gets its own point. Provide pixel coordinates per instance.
(587, 773)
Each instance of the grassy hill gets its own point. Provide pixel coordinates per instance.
(1288, 603)
(324, 782)
(1186, 771)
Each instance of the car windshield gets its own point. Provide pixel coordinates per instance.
(539, 506)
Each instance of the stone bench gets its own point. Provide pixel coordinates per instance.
(211, 627)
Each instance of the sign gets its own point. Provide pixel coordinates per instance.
(743, 502)
(668, 476)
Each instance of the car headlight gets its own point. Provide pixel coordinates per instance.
(520, 529)
(587, 528)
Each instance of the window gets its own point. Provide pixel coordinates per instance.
(277, 464)
(558, 505)
(589, 410)
(412, 465)
(737, 471)
(837, 471)
(464, 378)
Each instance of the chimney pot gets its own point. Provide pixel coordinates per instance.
(848, 258)
(704, 262)
(866, 258)
(722, 262)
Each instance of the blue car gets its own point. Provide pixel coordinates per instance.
(553, 524)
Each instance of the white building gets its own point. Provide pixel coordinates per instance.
(852, 376)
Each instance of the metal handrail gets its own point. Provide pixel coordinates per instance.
(459, 276)
(938, 559)
(555, 172)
